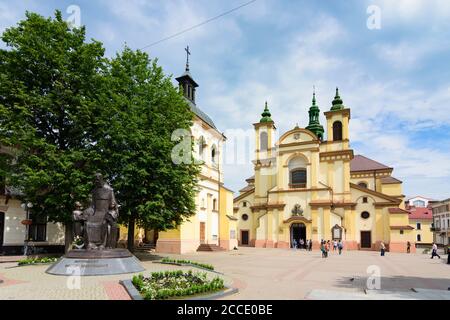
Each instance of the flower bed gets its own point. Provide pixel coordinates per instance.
(175, 284)
(37, 261)
(189, 262)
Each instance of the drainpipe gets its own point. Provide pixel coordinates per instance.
(218, 196)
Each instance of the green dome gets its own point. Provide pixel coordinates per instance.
(337, 103)
(314, 124)
(266, 116)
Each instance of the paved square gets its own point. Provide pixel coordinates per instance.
(259, 274)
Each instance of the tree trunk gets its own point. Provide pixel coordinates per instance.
(131, 223)
(68, 237)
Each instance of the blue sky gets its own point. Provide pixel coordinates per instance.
(396, 79)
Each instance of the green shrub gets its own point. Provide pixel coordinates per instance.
(177, 283)
(37, 260)
(193, 263)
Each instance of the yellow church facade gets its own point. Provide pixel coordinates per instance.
(213, 226)
(305, 187)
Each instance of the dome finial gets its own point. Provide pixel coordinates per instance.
(337, 103)
(266, 114)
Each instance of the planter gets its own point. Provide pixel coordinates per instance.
(26, 222)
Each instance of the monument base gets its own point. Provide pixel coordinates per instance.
(96, 263)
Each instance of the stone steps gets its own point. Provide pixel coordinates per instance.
(209, 247)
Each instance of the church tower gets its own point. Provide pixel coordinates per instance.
(314, 124)
(186, 81)
(264, 152)
(338, 119)
(338, 149)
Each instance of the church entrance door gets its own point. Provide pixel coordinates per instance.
(202, 232)
(298, 231)
(366, 240)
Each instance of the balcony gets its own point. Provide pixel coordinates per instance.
(435, 229)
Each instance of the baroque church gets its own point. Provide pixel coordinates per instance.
(213, 226)
(311, 187)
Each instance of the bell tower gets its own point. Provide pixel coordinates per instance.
(314, 124)
(337, 149)
(186, 81)
(338, 119)
(264, 153)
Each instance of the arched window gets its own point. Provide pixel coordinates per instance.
(263, 141)
(297, 173)
(362, 184)
(201, 146)
(337, 131)
(214, 204)
(213, 154)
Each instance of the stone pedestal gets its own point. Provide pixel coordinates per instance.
(96, 263)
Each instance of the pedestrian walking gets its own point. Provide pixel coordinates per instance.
(382, 248)
(340, 246)
(434, 251)
(302, 244)
(294, 244)
(310, 245)
(335, 245)
(408, 247)
(327, 248)
(322, 249)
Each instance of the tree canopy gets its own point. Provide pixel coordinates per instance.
(68, 112)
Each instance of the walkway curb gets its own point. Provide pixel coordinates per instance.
(189, 265)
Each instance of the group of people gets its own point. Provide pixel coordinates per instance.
(301, 244)
(325, 247)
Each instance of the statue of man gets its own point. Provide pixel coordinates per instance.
(101, 217)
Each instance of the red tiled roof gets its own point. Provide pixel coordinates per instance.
(402, 228)
(397, 210)
(247, 188)
(390, 180)
(361, 163)
(420, 213)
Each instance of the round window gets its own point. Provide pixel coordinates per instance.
(245, 217)
(365, 215)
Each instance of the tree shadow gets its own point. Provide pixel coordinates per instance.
(146, 256)
(395, 283)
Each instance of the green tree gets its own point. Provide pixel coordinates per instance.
(68, 112)
(135, 145)
(48, 81)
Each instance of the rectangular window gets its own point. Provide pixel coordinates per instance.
(401, 231)
(37, 231)
(418, 226)
(364, 199)
(298, 178)
(419, 238)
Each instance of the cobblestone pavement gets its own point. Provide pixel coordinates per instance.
(292, 274)
(257, 273)
(32, 283)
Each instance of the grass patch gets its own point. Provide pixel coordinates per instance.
(193, 263)
(175, 284)
(37, 260)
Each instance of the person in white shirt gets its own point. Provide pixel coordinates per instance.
(434, 251)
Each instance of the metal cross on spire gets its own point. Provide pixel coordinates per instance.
(188, 53)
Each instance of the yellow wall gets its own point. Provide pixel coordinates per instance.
(425, 233)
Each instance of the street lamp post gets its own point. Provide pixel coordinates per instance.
(26, 207)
